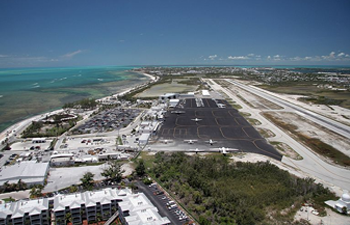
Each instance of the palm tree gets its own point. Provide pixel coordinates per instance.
(21, 185)
(68, 217)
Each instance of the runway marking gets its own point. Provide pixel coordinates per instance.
(229, 112)
(166, 131)
(271, 153)
(179, 132)
(206, 100)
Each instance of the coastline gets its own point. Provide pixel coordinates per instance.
(16, 129)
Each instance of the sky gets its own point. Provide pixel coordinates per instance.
(58, 33)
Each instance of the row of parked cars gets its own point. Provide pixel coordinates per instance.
(170, 204)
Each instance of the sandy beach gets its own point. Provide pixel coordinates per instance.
(15, 130)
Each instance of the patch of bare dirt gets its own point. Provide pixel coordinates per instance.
(314, 130)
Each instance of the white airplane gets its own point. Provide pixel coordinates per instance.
(166, 141)
(196, 150)
(190, 141)
(196, 119)
(224, 150)
(211, 142)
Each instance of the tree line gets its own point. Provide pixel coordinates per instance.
(217, 191)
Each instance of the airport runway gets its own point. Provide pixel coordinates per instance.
(330, 124)
(311, 163)
(202, 120)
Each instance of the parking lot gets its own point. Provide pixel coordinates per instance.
(166, 206)
(108, 120)
(205, 119)
(29, 145)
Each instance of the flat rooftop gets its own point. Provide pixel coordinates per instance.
(28, 171)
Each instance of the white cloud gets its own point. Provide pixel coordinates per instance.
(238, 57)
(341, 54)
(268, 57)
(71, 54)
(297, 58)
(332, 54)
(277, 56)
(212, 57)
(4, 56)
(251, 54)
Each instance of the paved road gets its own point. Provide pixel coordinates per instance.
(311, 164)
(335, 126)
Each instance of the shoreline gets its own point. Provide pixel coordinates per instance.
(16, 129)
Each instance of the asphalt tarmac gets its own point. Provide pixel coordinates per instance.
(225, 126)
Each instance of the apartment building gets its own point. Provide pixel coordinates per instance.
(90, 206)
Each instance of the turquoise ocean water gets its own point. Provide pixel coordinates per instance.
(27, 92)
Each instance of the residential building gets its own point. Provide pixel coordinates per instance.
(90, 206)
(137, 209)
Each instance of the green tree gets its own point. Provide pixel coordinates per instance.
(132, 186)
(87, 181)
(113, 172)
(140, 168)
(21, 185)
(73, 189)
(36, 191)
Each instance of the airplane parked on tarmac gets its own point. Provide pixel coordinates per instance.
(224, 150)
(190, 141)
(166, 141)
(211, 142)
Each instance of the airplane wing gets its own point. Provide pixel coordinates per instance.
(223, 149)
(190, 141)
(196, 150)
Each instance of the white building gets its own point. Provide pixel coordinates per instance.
(168, 96)
(173, 103)
(86, 206)
(30, 172)
(25, 212)
(342, 203)
(144, 138)
(38, 140)
(137, 209)
(187, 95)
(205, 93)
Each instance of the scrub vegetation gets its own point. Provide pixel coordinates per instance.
(312, 93)
(217, 191)
(315, 144)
